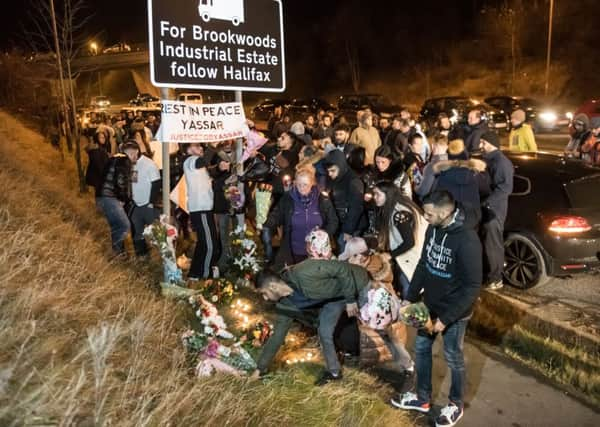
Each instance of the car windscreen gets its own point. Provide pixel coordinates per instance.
(583, 192)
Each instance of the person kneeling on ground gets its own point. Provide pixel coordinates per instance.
(316, 290)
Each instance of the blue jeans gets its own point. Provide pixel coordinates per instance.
(454, 338)
(117, 220)
(328, 319)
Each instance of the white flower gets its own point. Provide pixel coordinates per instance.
(214, 298)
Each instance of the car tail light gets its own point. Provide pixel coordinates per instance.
(569, 225)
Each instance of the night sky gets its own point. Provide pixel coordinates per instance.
(116, 20)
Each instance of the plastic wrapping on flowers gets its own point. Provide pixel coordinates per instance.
(244, 253)
(415, 315)
(163, 235)
(263, 203)
(215, 348)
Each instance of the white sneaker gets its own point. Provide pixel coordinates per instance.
(494, 286)
(411, 402)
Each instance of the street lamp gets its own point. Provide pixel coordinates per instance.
(94, 48)
(549, 47)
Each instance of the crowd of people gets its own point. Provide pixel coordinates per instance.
(384, 204)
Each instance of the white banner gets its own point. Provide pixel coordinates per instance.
(187, 122)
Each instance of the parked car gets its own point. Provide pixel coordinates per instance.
(99, 102)
(553, 222)
(541, 118)
(117, 48)
(457, 108)
(143, 100)
(263, 110)
(378, 104)
(591, 107)
(299, 109)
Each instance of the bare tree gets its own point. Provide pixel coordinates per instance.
(58, 30)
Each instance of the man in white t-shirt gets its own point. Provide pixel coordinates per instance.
(145, 189)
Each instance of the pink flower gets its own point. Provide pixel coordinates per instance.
(212, 350)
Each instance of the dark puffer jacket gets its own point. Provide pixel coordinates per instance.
(94, 175)
(467, 181)
(347, 195)
(117, 178)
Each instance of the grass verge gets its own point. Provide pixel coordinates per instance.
(89, 342)
(573, 366)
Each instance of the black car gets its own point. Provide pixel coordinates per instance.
(299, 109)
(143, 99)
(263, 110)
(457, 108)
(541, 118)
(378, 104)
(553, 222)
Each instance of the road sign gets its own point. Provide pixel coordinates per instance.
(217, 44)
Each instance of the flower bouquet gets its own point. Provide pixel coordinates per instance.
(257, 336)
(218, 291)
(209, 316)
(235, 198)
(380, 310)
(416, 315)
(194, 341)
(220, 358)
(263, 203)
(244, 253)
(162, 235)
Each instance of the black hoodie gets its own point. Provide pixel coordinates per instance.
(449, 271)
(347, 194)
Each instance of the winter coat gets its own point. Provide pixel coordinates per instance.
(219, 178)
(590, 151)
(407, 235)
(347, 195)
(397, 141)
(501, 172)
(282, 215)
(322, 132)
(429, 176)
(521, 138)
(465, 180)
(449, 271)
(327, 279)
(117, 178)
(98, 159)
(473, 136)
(368, 138)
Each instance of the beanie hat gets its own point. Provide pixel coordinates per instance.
(492, 138)
(518, 115)
(317, 244)
(583, 118)
(595, 122)
(456, 150)
(297, 128)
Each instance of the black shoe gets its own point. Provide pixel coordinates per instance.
(327, 377)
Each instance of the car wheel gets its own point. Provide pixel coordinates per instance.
(524, 265)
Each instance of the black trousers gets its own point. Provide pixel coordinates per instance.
(493, 245)
(208, 246)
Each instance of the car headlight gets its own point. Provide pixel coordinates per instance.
(569, 115)
(548, 116)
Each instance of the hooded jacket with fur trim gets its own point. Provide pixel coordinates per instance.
(467, 181)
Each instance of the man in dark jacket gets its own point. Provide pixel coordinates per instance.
(314, 292)
(346, 191)
(495, 207)
(475, 129)
(581, 133)
(449, 274)
(464, 178)
(115, 193)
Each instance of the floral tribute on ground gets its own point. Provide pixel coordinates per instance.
(163, 235)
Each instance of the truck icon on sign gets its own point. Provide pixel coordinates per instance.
(227, 10)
